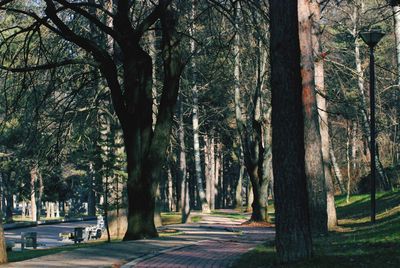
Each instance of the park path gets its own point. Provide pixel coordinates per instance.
(216, 241)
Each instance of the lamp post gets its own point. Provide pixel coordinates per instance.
(371, 38)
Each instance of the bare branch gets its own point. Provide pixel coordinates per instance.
(91, 18)
(44, 66)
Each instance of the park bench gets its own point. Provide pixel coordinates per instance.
(28, 239)
(81, 234)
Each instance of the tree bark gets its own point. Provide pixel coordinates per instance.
(239, 185)
(313, 156)
(91, 194)
(207, 167)
(33, 209)
(170, 190)
(217, 188)
(212, 172)
(323, 112)
(336, 170)
(396, 19)
(40, 195)
(293, 234)
(348, 160)
(3, 249)
(185, 202)
(57, 209)
(195, 121)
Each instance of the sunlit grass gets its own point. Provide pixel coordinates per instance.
(356, 243)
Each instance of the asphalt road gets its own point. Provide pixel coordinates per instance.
(48, 235)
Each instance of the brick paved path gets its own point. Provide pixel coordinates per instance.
(212, 253)
(216, 252)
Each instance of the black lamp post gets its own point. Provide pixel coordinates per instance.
(371, 38)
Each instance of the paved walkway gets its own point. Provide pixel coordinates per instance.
(214, 242)
(48, 235)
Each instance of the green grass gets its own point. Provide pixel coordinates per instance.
(230, 215)
(355, 243)
(195, 219)
(168, 218)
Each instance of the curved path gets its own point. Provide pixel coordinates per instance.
(219, 250)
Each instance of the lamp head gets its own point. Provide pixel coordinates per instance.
(372, 37)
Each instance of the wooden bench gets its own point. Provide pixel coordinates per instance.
(28, 239)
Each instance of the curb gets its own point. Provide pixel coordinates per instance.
(152, 255)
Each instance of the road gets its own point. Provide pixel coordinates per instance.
(48, 235)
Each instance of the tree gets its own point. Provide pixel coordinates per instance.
(250, 124)
(321, 97)
(195, 119)
(293, 234)
(313, 154)
(128, 74)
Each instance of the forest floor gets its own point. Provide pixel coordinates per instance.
(355, 243)
(216, 240)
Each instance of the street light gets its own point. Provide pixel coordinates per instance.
(371, 38)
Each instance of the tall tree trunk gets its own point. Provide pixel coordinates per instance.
(222, 182)
(293, 234)
(57, 209)
(396, 19)
(250, 134)
(250, 195)
(153, 55)
(313, 155)
(207, 167)
(209, 163)
(8, 195)
(195, 121)
(268, 175)
(47, 206)
(336, 170)
(33, 211)
(2, 202)
(212, 172)
(217, 189)
(23, 209)
(239, 185)
(323, 112)
(3, 249)
(53, 210)
(146, 149)
(170, 191)
(183, 176)
(9, 207)
(91, 191)
(40, 195)
(348, 159)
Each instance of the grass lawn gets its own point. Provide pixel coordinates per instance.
(355, 243)
(230, 215)
(168, 218)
